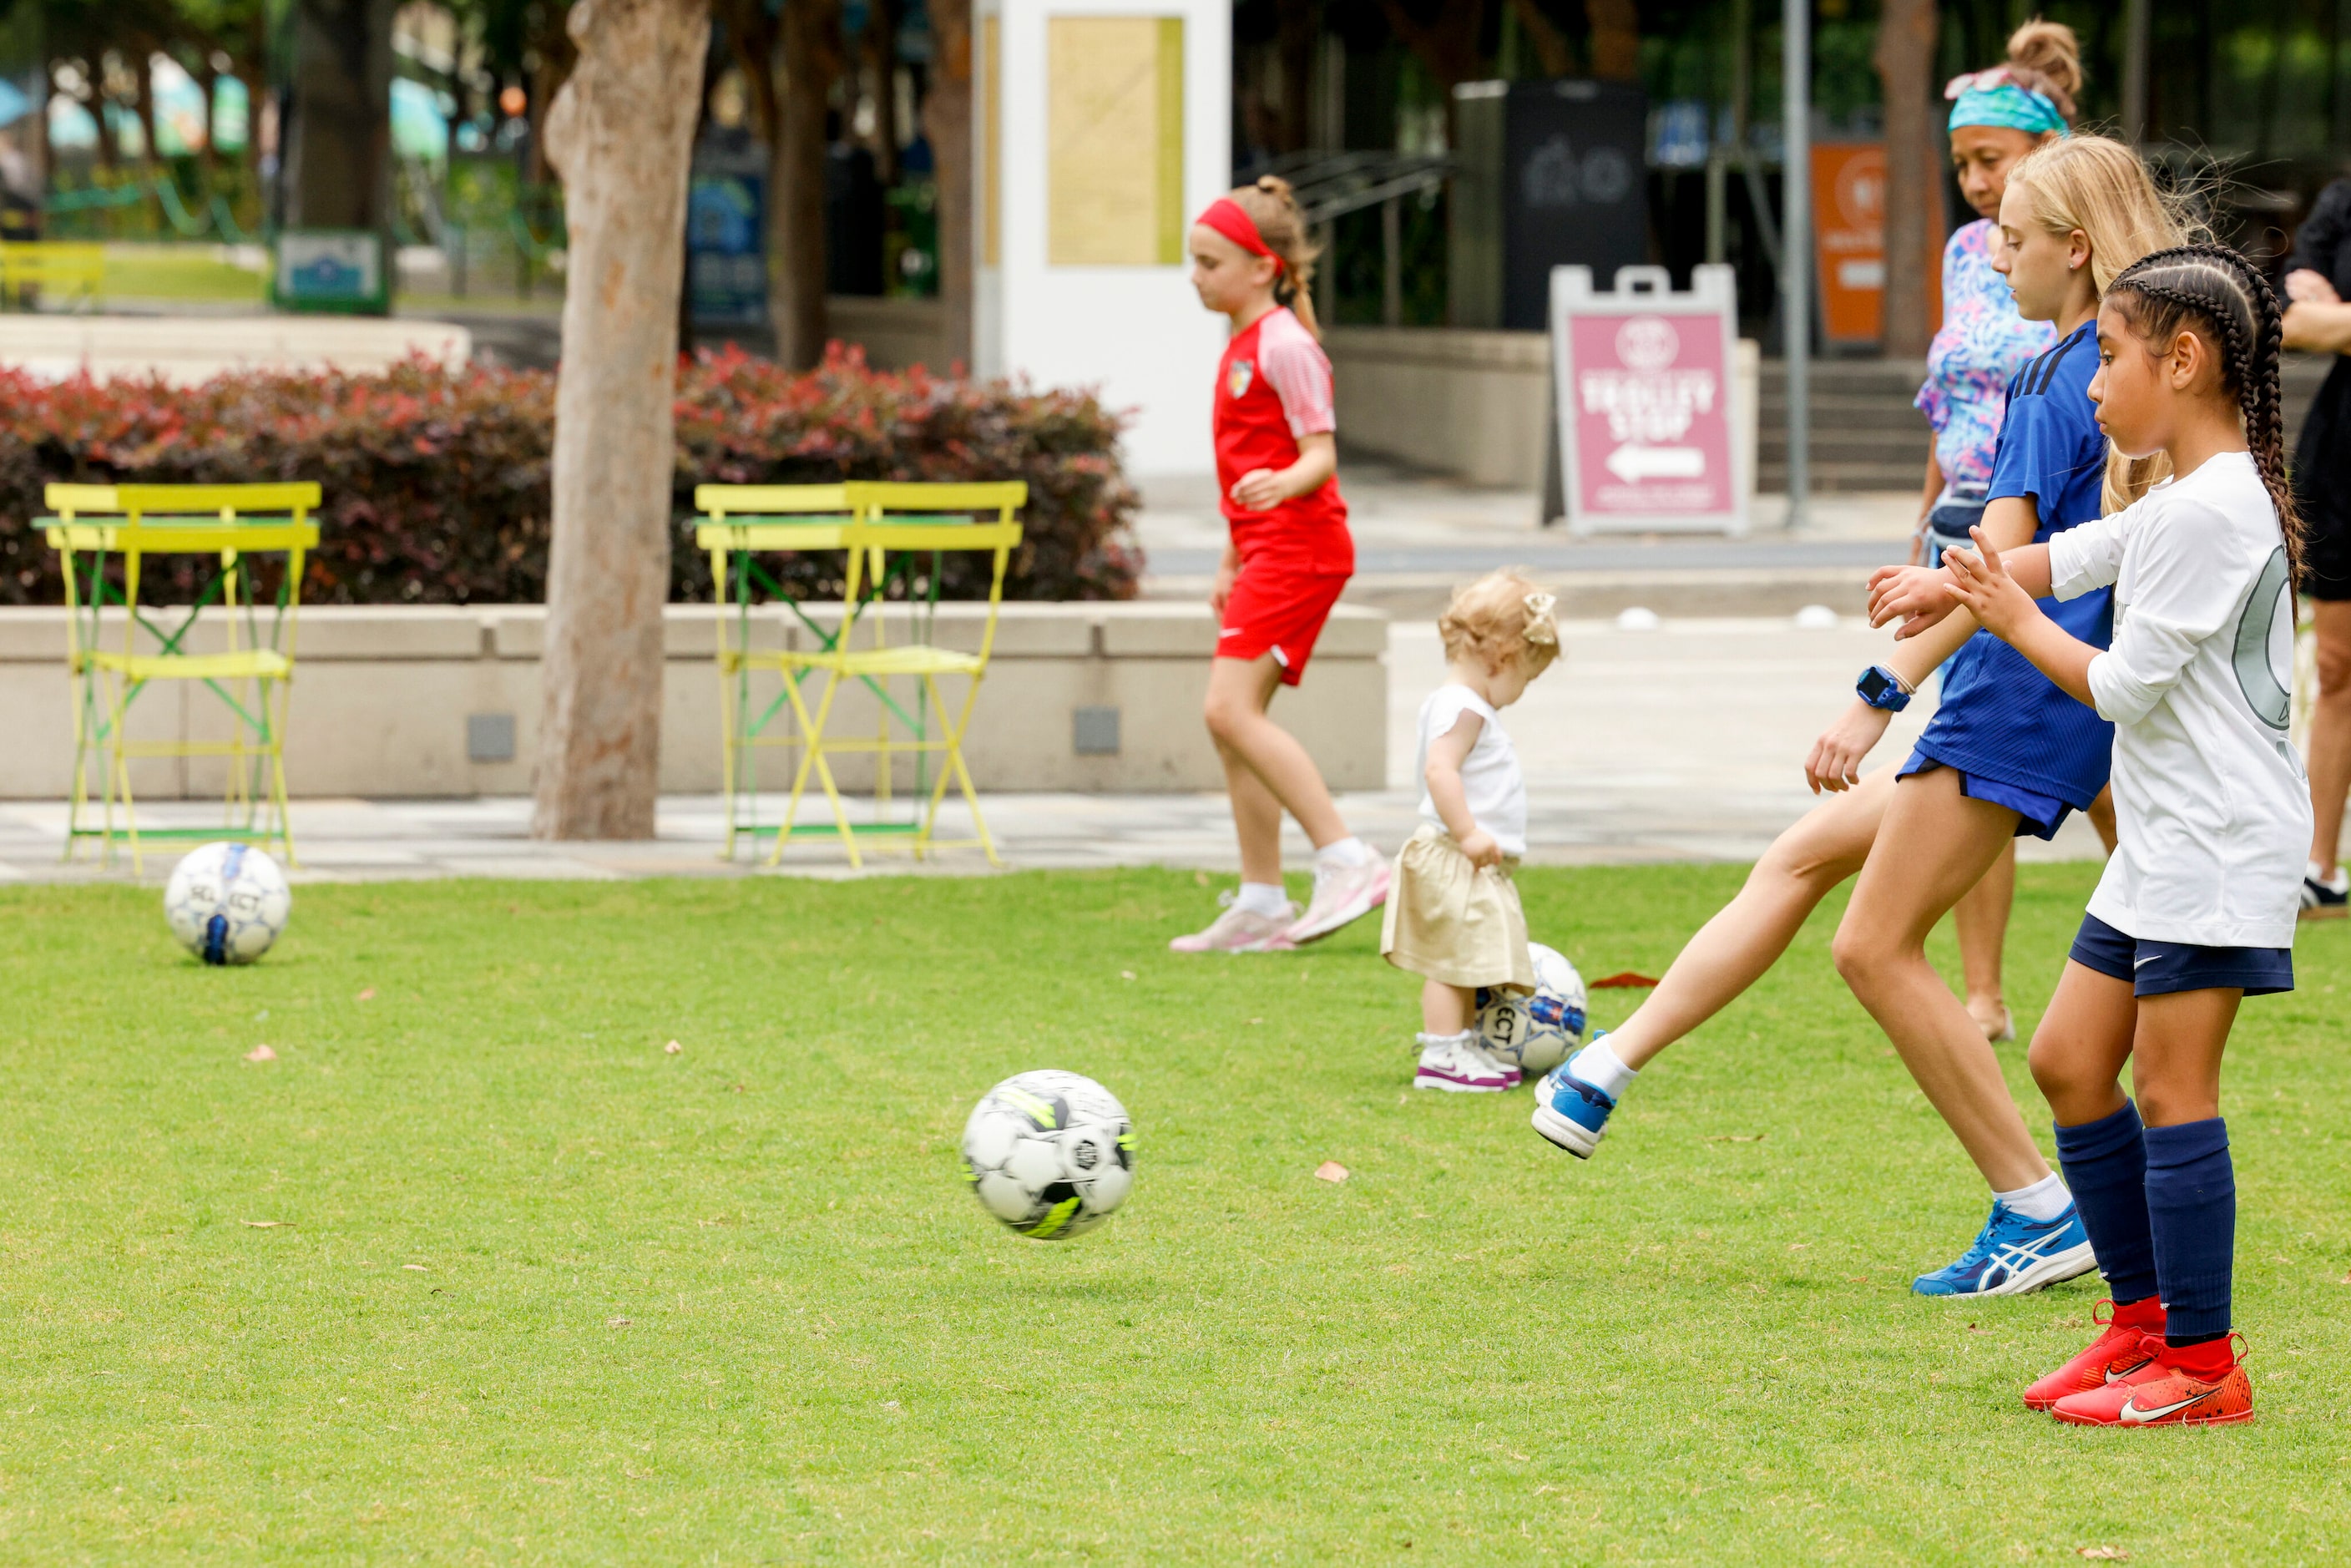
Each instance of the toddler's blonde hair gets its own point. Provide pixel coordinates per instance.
(1502, 616)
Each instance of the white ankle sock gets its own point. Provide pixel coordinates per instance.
(1597, 1065)
(2336, 883)
(1466, 1037)
(1342, 854)
(1269, 899)
(2045, 1200)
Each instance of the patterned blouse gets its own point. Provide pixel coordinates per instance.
(1982, 343)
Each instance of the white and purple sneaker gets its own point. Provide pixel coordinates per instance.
(1458, 1064)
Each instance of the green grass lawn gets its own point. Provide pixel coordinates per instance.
(155, 273)
(531, 1289)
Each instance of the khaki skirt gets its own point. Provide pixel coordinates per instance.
(1455, 923)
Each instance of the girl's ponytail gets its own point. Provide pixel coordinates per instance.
(2215, 288)
(1283, 226)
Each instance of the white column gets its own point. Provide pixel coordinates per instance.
(1131, 327)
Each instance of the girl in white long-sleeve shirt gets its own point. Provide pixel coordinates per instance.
(2196, 910)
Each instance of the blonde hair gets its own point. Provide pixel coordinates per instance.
(1502, 616)
(1282, 225)
(2102, 188)
(2046, 57)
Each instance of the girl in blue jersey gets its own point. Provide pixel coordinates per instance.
(2008, 753)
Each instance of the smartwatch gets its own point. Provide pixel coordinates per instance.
(1882, 688)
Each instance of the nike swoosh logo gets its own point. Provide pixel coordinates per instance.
(2143, 963)
(2130, 1414)
(2115, 1374)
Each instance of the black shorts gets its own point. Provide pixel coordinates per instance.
(2321, 488)
(2160, 969)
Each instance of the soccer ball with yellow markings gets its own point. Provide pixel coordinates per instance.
(1050, 1154)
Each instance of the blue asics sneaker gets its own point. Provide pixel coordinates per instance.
(2012, 1255)
(1571, 1112)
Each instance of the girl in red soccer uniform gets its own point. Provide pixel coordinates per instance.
(1289, 555)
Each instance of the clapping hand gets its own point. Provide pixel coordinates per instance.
(1982, 583)
(1918, 596)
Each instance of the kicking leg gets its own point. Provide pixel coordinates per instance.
(1746, 937)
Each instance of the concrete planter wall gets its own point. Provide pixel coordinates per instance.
(445, 701)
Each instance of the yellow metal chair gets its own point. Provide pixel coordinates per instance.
(97, 525)
(894, 545)
(67, 267)
(744, 522)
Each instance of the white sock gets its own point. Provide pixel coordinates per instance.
(2336, 883)
(1430, 1042)
(1269, 899)
(2045, 1200)
(1597, 1065)
(1342, 854)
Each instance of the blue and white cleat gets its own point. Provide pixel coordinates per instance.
(1570, 1112)
(2014, 1255)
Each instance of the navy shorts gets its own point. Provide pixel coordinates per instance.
(2037, 815)
(2159, 969)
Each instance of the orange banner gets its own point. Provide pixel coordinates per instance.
(1849, 242)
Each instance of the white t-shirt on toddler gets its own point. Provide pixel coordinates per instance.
(2211, 805)
(1490, 781)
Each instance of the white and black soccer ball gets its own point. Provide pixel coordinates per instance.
(1050, 1154)
(227, 902)
(1535, 1033)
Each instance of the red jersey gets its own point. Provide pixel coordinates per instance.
(1272, 386)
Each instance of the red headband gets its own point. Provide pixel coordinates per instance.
(1231, 219)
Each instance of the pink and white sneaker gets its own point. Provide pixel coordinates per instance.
(1238, 930)
(1459, 1064)
(1341, 896)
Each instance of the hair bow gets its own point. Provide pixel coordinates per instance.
(1540, 628)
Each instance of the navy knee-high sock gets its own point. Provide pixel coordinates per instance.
(2105, 1169)
(2191, 1207)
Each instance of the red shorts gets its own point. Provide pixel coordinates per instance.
(1277, 607)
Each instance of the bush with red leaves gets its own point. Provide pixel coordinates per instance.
(436, 480)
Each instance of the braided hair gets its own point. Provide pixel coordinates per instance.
(2213, 290)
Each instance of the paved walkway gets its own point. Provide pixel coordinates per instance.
(1683, 743)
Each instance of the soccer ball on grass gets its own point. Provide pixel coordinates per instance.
(226, 903)
(1049, 1154)
(1535, 1033)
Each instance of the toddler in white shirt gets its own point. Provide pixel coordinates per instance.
(1453, 915)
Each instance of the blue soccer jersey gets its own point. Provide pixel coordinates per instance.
(2001, 721)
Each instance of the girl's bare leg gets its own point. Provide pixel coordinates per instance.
(1239, 691)
(1981, 918)
(1446, 1010)
(1935, 845)
(1731, 951)
(2077, 1053)
(1257, 819)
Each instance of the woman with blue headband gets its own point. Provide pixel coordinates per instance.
(1997, 117)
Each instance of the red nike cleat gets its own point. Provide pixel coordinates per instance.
(2122, 1349)
(2162, 1393)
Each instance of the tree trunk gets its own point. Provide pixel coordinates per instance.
(336, 171)
(811, 37)
(882, 53)
(620, 134)
(947, 119)
(1905, 58)
(1616, 39)
(142, 77)
(1552, 52)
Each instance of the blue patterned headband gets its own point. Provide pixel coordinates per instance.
(1994, 98)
